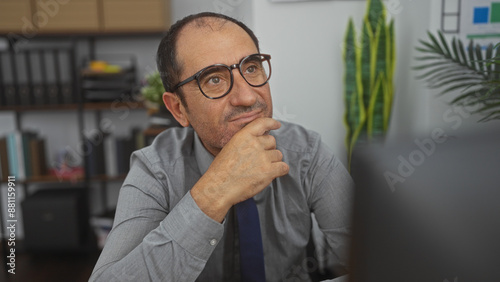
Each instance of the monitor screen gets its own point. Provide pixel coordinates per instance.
(427, 210)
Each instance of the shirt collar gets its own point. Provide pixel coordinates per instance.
(203, 157)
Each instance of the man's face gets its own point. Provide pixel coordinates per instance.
(216, 121)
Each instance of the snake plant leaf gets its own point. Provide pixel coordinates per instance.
(391, 51)
(388, 97)
(366, 59)
(350, 75)
(391, 57)
(358, 117)
(375, 14)
(354, 117)
(375, 121)
(369, 77)
(379, 49)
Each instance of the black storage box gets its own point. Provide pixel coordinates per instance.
(56, 220)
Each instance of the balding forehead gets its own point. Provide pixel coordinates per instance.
(211, 24)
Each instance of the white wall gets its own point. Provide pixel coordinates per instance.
(454, 120)
(305, 39)
(239, 9)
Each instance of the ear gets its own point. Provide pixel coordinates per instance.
(174, 105)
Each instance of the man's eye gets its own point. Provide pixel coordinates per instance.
(251, 69)
(214, 80)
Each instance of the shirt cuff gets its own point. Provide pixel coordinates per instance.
(192, 229)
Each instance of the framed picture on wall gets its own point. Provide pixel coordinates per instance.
(297, 0)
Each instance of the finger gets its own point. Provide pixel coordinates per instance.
(279, 169)
(261, 126)
(268, 142)
(274, 156)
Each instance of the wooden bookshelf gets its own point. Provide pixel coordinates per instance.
(71, 107)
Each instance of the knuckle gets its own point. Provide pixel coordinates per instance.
(279, 154)
(272, 139)
(285, 168)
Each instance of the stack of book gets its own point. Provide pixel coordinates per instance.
(35, 77)
(22, 154)
(111, 155)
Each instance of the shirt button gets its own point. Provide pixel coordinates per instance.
(213, 242)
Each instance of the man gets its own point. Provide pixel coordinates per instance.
(177, 217)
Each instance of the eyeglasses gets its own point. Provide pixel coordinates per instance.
(216, 81)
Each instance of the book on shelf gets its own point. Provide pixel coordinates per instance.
(94, 155)
(38, 158)
(25, 153)
(119, 149)
(110, 156)
(38, 76)
(15, 155)
(123, 152)
(4, 160)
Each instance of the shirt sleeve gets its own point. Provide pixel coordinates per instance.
(149, 241)
(331, 198)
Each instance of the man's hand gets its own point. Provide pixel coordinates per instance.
(243, 168)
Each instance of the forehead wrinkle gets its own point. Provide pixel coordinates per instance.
(205, 27)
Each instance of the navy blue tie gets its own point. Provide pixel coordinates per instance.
(251, 251)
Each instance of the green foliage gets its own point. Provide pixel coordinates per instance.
(153, 90)
(369, 69)
(472, 71)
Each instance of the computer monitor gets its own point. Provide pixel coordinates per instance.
(428, 210)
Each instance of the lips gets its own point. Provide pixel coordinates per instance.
(246, 117)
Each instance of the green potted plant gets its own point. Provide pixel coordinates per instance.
(369, 71)
(152, 92)
(153, 89)
(472, 71)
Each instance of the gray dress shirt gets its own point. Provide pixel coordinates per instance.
(160, 234)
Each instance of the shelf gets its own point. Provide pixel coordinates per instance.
(80, 179)
(48, 179)
(69, 107)
(108, 178)
(113, 105)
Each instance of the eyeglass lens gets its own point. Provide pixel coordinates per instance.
(216, 81)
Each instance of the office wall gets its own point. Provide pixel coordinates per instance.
(305, 39)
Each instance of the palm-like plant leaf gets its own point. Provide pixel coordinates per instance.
(452, 67)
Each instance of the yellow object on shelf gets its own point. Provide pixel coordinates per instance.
(103, 66)
(112, 69)
(98, 65)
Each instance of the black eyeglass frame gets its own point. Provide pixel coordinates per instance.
(197, 75)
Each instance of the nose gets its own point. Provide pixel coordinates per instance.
(242, 93)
